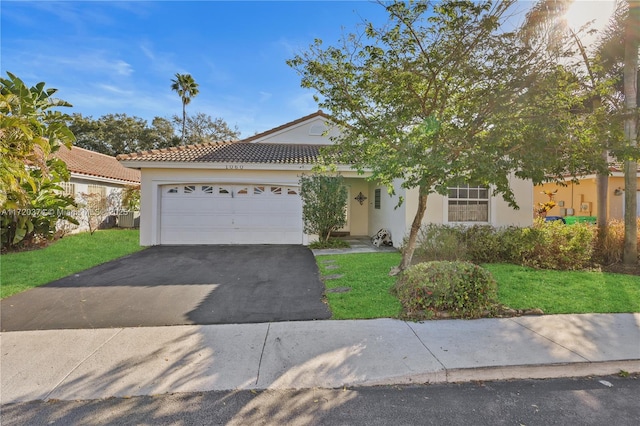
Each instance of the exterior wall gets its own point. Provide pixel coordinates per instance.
(309, 132)
(81, 186)
(399, 220)
(388, 216)
(575, 194)
(503, 215)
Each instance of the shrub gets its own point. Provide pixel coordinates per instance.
(324, 200)
(610, 247)
(554, 245)
(483, 244)
(440, 242)
(329, 244)
(461, 289)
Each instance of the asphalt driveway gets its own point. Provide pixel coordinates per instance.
(177, 285)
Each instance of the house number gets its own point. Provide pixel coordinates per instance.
(234, 167)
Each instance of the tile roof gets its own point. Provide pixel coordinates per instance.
(90, 163)
(243, 152)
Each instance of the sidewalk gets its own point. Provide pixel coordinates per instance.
(102, 363)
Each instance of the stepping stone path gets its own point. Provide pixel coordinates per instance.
(339, 290)
(332, 277)
(331, 267)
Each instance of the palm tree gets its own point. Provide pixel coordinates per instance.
(186, 87)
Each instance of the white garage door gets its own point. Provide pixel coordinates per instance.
(230, 214)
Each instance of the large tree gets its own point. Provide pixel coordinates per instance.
(431, 99)
(186, 87)
(202, 128)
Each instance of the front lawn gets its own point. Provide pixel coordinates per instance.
(73, 253)
(566, 292)
(555, 292)
(367, 277)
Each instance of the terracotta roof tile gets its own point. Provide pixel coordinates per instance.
(241, 152)
(83, 161)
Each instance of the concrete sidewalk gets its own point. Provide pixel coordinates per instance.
(119, 362)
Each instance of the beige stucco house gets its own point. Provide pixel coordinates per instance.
(580, 198)
(246, 192)
(93, 173)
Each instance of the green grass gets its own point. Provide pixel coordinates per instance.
(555, 292)
(367, 274)
(563, 292)
(73, 253)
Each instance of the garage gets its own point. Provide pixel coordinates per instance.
(213, 213)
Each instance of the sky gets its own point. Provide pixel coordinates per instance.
(108, 57)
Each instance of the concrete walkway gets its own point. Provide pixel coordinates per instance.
(120, 362)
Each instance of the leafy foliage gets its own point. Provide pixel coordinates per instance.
(461, 289)
(324, 200)
(114, 134)
(31, 130)
(545, 245)
(186, 87)
(443, 93)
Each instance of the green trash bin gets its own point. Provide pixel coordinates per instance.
(570, 220)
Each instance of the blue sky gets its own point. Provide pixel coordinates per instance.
(119, 56)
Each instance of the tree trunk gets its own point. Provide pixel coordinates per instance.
(184, 119)
(632, 40)
(407, 253)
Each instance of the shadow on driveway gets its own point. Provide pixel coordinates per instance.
(177, 285)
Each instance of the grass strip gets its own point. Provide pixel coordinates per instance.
(73, 253)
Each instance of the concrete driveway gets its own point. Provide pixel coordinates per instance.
(177, 285)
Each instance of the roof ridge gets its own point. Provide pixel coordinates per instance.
(318, 113)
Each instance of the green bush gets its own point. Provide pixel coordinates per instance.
(545, 245)
(440, 242)
(554, 245)
(461, 289)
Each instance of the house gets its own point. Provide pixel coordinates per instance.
(246, 192)
(94, 173)
(580, 198)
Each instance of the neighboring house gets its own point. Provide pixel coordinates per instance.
(580, 198)
(94, 173)
(246, 192)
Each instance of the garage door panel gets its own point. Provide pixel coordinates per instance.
(230, 214)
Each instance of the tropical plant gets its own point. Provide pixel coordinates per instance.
(31, 130)
(186, 87)
(324, 200)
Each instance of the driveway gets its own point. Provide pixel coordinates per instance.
(177, 285)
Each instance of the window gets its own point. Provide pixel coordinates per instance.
(258, 190)
(223, 191)
(189, 189)
(207, 189)
(291, 191)
(68, 188)
(97, 189)
(468, 203)
(173, 190)
(276, 190)
(376, 199)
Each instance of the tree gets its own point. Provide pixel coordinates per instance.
(114, 134)
(202, 128)
(186, 87)
(435, 98)
(324, 200)
(31, 130)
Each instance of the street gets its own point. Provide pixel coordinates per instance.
(611, 400)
